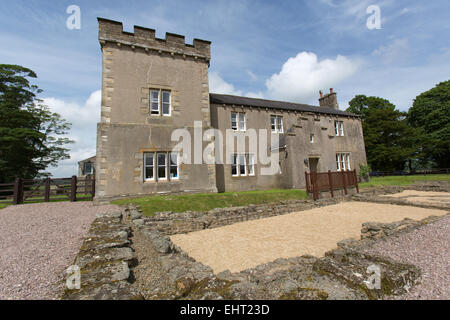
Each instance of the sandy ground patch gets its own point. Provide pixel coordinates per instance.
(245, 245)
(441, 199)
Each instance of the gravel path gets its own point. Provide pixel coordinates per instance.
(38, 242)
(247, 244)
(428, 248)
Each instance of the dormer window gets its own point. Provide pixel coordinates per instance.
(160, 102)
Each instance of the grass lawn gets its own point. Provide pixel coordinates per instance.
(58, 198)
(403, 180)
(209, 201)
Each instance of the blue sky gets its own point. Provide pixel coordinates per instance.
(287, 50)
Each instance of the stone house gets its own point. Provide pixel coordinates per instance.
(86, 167)
(152, 87)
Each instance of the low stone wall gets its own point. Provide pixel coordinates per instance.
(104, 260)
(341, 274)
(170, 223)
(376, 230)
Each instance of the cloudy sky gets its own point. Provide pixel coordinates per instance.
(287, 50)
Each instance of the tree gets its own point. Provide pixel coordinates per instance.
(431, 113)
(30, 134)
(390, 142)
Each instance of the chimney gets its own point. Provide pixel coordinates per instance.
(329, 100)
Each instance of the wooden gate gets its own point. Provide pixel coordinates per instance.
(330, 181)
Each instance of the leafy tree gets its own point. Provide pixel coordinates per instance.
(29, 131)
(390, 142)
(431, 113)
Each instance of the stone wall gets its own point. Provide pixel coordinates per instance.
(170, 223)
(104, 260)
(338, 275)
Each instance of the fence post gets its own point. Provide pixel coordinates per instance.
(356, 180)
(307, 181)
(344, 182)
(330, 181)
(16, 191)
(314, 184)
(47, 190)
(73, 189)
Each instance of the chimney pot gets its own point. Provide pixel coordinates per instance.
(331, 90)
(321, 93)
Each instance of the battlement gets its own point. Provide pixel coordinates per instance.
(144, 38)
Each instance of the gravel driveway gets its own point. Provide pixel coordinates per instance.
(429, 249)
(38, 242)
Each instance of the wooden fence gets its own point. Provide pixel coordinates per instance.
(330, 181)
(46, 190)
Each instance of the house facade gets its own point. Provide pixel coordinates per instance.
(153, 87)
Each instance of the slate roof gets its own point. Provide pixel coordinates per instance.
(271, 104)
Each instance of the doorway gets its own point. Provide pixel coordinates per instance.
(313, 164)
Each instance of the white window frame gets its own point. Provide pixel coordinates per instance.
(343, 161)
(276, 124)
(234, 127)
(341, 128)
(147, 166)
(160, 102)
(311, 138)
(242, 158)
(165, 103)
(153, 100)
(251, 164)
(242, 122)
(176, 165)
(235, 163)
(158, 165)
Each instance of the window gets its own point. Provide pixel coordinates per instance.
(311, 138)
(173, 158)
(343, 161)
(162, 166)
(149, 167)
(339, 128)
(160, 102)
(154, 102)
(242, 121)
(234, 163)
(276, 123)
(251, 164)
(88, 168)
(166, 103)
(242, 165)
(238, 121)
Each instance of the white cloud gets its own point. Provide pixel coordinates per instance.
(397, 50)
(303, 76)
(218, 85)
(84, 118)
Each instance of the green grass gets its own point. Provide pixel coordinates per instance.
(209, 201)
(403, 180)
(53, 198)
